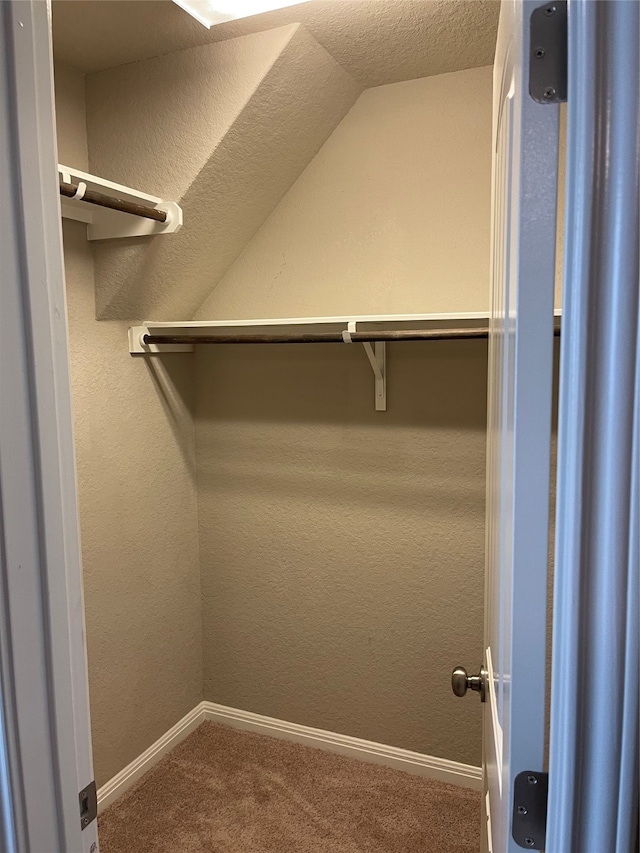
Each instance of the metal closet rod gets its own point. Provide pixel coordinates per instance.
(320, 337)
(112, 202)
(323, 337)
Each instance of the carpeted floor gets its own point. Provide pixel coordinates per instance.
(226, 791)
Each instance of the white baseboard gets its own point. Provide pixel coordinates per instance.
(427, 766)
(120, 783)
(463, 775)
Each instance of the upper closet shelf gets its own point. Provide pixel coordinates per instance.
(112, 210)
(372, 331)
(180, 336)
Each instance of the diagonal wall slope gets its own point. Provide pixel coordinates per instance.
(391, 216)
(224, 128)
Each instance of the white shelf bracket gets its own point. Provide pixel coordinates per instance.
(377, 355)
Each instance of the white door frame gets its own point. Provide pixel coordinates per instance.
(593, 761)
(45, 748)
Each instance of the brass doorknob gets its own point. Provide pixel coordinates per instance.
(461, 682)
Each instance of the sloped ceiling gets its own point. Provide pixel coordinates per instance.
(223, 128)
(375, 41)
(225, 120)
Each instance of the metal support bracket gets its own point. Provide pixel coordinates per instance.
(529, 824)
(377, 355)
(548, 53)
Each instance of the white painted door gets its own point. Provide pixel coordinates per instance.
(525, 157)
(45, 743)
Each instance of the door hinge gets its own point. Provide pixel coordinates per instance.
(88, 798)
(529, 825)
(548, 51)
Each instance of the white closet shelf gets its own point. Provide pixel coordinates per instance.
(105, 222)
(343, 326)
(346, 330)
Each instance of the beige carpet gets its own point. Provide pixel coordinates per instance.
(225, 791)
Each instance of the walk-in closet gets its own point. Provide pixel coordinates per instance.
(277, 252)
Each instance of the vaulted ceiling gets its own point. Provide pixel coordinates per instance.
(375, 41)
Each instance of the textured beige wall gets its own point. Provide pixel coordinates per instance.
(391, 216)
(342, 549)
(136, 478)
